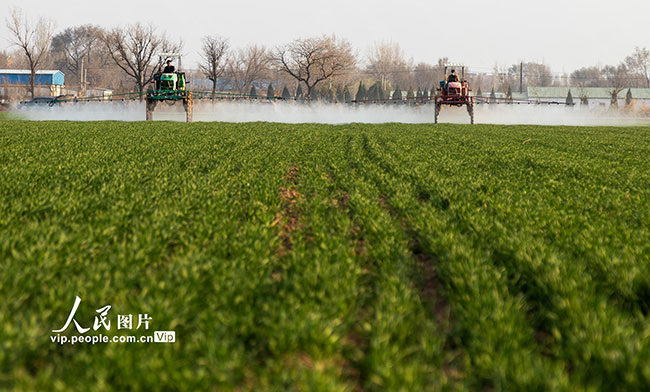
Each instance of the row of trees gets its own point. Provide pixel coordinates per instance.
(33, 40)
(342, 94)
(633, 71)
(88, 53)
(322, 66)
(91, 55)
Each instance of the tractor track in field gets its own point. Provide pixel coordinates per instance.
(356, 340)
(428, 285)
(430, 290)
(287, 219)
(424, 277)
(541, 334)
(357, 236)
(288, 222)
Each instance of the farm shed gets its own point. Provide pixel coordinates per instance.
(16, 82)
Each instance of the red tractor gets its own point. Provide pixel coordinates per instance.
(454, 92)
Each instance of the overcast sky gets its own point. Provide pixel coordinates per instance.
(565, 34)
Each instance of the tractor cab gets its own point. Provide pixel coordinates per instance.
(458, 88)
(170, 81)
(454, 88)
(454, 91)
(169, 85)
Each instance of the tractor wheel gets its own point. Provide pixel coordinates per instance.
(470, 110)
(150, 106)
(188, 104)
(436, 113)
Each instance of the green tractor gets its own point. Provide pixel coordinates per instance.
(169, 82)
(170, 86)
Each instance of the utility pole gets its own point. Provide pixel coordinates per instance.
(81, 77)
(521, 77)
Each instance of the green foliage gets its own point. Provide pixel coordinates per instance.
(361, 93)
(321, 257)
(299, 93)
(377, 91)
(372, 92)
(253, 92)
(347, 97)
(397, 94)
(410, 94)
(270, 92)
(286, 94)
(339, 95)
(569, 98)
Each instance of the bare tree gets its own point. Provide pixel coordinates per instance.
(387, 61)
(425, 75)
(534, 75)
(617, 78)
(79, 48)
(639, 62)
(135, 49)
(502, 79)
(214, 55)
(32, 38)
(5, 59)
(247, 65)
(314, 60)
(588, 77)
(538, 74)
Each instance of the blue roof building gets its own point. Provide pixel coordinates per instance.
(21, 76)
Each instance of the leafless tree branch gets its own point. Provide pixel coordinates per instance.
(33, 39)
(134, 49)
(314, 60)
(213, 56)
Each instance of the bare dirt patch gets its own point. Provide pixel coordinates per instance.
(288, 218)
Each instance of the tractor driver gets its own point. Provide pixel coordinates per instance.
(452, 77)
(169, 68)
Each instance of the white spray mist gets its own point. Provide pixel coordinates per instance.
(291, 112)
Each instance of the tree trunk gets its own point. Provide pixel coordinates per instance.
(214, 88)
(32, 77)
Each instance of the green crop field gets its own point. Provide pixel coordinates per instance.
(320, 257)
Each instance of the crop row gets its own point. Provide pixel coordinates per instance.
(317, 257)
